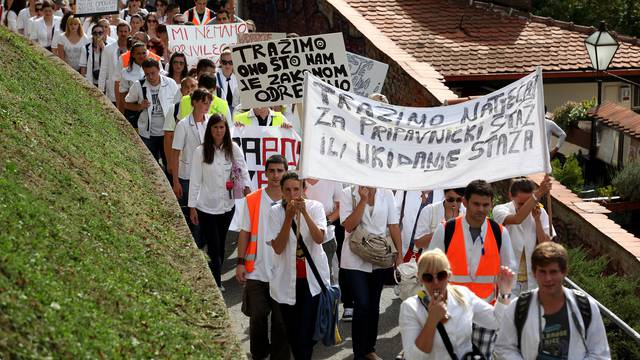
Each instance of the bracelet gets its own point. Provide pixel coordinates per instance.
(240, 261)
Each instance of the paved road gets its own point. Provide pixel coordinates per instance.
(388, 345)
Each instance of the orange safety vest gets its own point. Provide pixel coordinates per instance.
(253, 204)
(192, 16)
(125, 58)
(483, 283)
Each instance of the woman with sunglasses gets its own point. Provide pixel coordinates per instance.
(437, 213)
(45, 28)
(178, 68)
(151, 26)
(444, 313)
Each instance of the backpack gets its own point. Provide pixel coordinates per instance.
(522, 309)
(450, 227)
(132, 116)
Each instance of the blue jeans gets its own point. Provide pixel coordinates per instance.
(183, 202)
(300, 321)
(366, 289)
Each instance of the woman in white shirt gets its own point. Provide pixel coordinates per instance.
(453, 306)
(211, 200)
(10, 12)
(295, 285)
(72, 43)
(45, 28)
(374, 210)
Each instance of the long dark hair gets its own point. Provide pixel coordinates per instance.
(133, 47)
(185, 69)
(209, 147)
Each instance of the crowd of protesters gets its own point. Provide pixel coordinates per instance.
(478, 274)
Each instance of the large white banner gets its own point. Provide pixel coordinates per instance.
(96, 7)
(272, 72)
(203, 42)
(258, 143)
(351, 139)
(367, 75)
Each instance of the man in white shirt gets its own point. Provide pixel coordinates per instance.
(296, 230)
(133, 7)
(572, 327)
(22, 23)
(473, 246)
(255, 266)
(528, 226)
(154, 98)
(226, 79)
(109, 69)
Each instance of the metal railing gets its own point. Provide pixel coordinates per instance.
(609, 314)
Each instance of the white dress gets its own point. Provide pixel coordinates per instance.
(73, 51)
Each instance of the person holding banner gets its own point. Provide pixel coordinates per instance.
(214, 165)
(528, 225)
(374, 210)
(199, 14)
(477, 248)
(296, 229)
(255, 267)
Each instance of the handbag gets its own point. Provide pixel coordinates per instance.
(475, 354)
(376, 249)
(326, 329)
(406, 274)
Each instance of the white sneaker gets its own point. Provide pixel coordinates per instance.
(347, 315)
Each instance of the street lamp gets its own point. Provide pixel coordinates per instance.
(601, 47)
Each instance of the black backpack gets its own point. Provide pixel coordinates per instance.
(450, 227)
(522, 309)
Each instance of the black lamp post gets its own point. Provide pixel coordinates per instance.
(601, 47)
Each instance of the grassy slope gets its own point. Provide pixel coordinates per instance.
(94, 256)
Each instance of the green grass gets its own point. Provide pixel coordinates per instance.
(95, 260)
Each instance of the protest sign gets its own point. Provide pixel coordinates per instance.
(248, 37)
(352, 139)
(367, 75)
(260, 142)
(203, 42)
(272, 72)
(96, 7)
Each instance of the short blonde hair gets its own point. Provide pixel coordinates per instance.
(434, 261)
(74, 20)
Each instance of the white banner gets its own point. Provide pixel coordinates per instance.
(203, 42)
(351, 139)
(96, 7)
(272, 72)
(367, 75)
(258, 143)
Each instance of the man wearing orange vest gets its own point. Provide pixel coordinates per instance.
(476, 247)
(199, 14)
(255, 263)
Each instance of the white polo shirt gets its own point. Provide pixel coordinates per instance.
(187, 136)
(283, 284)
(375, 220)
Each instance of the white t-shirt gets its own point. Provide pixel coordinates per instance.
(263, 268)
(126, 16)
(73, 52)
(374, 220)
(22, 23)
(188, 135)
(43, 33)
(328, 193)
(282, 286)
(432, 216)
(523, 236)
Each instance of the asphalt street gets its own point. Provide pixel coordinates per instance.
(388, 344)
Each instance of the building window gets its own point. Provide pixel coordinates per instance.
(635, 99)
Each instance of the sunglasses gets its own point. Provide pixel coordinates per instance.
(450, 199)
(226, 62)
(97, 33)
(441, 276)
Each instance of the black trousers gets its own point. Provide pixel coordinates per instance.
(300, 321)
(213, 231)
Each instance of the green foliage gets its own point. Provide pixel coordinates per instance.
(92, 258)
(627, 181)
(606, 191)
(568, 115)
(568, 174)
(618, 293)
(623, 16)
